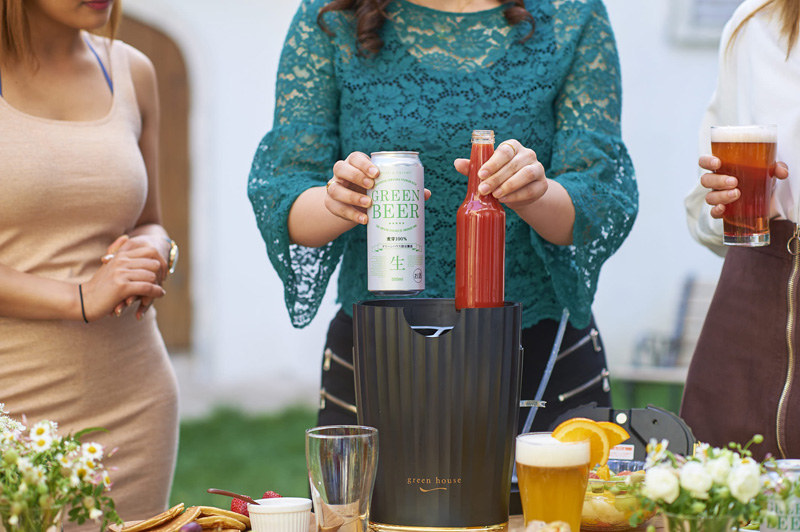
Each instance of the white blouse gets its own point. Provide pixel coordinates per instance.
(756, 84)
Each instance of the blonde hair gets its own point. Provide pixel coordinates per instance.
(789, 18)
(15, 38)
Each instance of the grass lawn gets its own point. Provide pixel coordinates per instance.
(242, 453)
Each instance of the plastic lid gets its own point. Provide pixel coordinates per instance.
(280, 505)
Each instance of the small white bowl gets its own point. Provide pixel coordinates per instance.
(280, 514)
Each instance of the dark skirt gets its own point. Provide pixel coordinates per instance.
(579, 376)
(741, 375)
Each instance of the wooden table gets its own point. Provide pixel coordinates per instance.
(516, 524)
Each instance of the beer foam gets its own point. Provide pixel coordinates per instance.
(743, 134)
(542, 450)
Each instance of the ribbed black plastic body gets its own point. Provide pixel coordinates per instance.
(445, 407)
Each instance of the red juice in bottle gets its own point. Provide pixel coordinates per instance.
(480, 237)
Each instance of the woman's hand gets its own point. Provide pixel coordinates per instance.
(124, 276)
(347, 190)
(149, 245)
(723, 187)
(513, 174)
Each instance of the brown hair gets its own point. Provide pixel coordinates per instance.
(790, 21)
(15, 38)
(371, 14)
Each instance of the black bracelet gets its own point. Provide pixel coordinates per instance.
(83, 310)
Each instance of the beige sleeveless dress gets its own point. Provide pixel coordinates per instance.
(67, 190)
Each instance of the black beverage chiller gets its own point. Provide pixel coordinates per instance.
(443, 388)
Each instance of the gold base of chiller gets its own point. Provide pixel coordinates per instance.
(382, 527)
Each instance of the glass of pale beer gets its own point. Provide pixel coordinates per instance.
(748, 154)
(552, 478)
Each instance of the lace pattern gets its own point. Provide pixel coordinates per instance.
(439, 76)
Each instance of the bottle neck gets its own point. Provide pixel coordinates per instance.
(481, 152)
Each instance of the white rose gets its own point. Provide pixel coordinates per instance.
(744, 480)
(661, 484)
(719, 468)
(696, 479)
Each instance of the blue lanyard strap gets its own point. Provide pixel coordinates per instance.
(102, 67)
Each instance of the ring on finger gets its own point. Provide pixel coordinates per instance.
(510, 146)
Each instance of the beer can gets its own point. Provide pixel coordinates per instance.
(787, 511)
(396, 227)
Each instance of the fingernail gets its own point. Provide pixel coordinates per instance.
(373, 171)
(730, 181)
(483, 174)
(138, 315)
(106, 258)
(365, 201)
(733, 193)
(362, 220)
(368, 183)
(483, 188)
(118, 312)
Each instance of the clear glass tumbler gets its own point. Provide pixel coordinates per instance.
(342, 461)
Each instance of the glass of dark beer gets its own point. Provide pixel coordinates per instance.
(748, 154)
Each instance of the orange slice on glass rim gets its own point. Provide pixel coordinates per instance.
(581, 428)
(616, 434)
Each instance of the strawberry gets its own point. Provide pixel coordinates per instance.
(270, 495)
(239, 506)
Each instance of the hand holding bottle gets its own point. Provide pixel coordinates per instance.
(513, 174)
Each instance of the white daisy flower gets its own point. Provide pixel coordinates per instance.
(93, 451)
(95, 514)
(80, 469)
(656, 452)
(42, 442)
(701, 451)
(43, 429)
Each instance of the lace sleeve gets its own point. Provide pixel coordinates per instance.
(589, 160)
(298, 153)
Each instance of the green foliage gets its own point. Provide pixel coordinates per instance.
(248, 454)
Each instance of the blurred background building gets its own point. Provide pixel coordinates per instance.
(224, 317)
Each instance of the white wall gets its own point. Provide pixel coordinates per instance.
(665, 91)
(244, 342)
(243, 339)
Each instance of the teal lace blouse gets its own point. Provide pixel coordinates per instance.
(438, 76)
